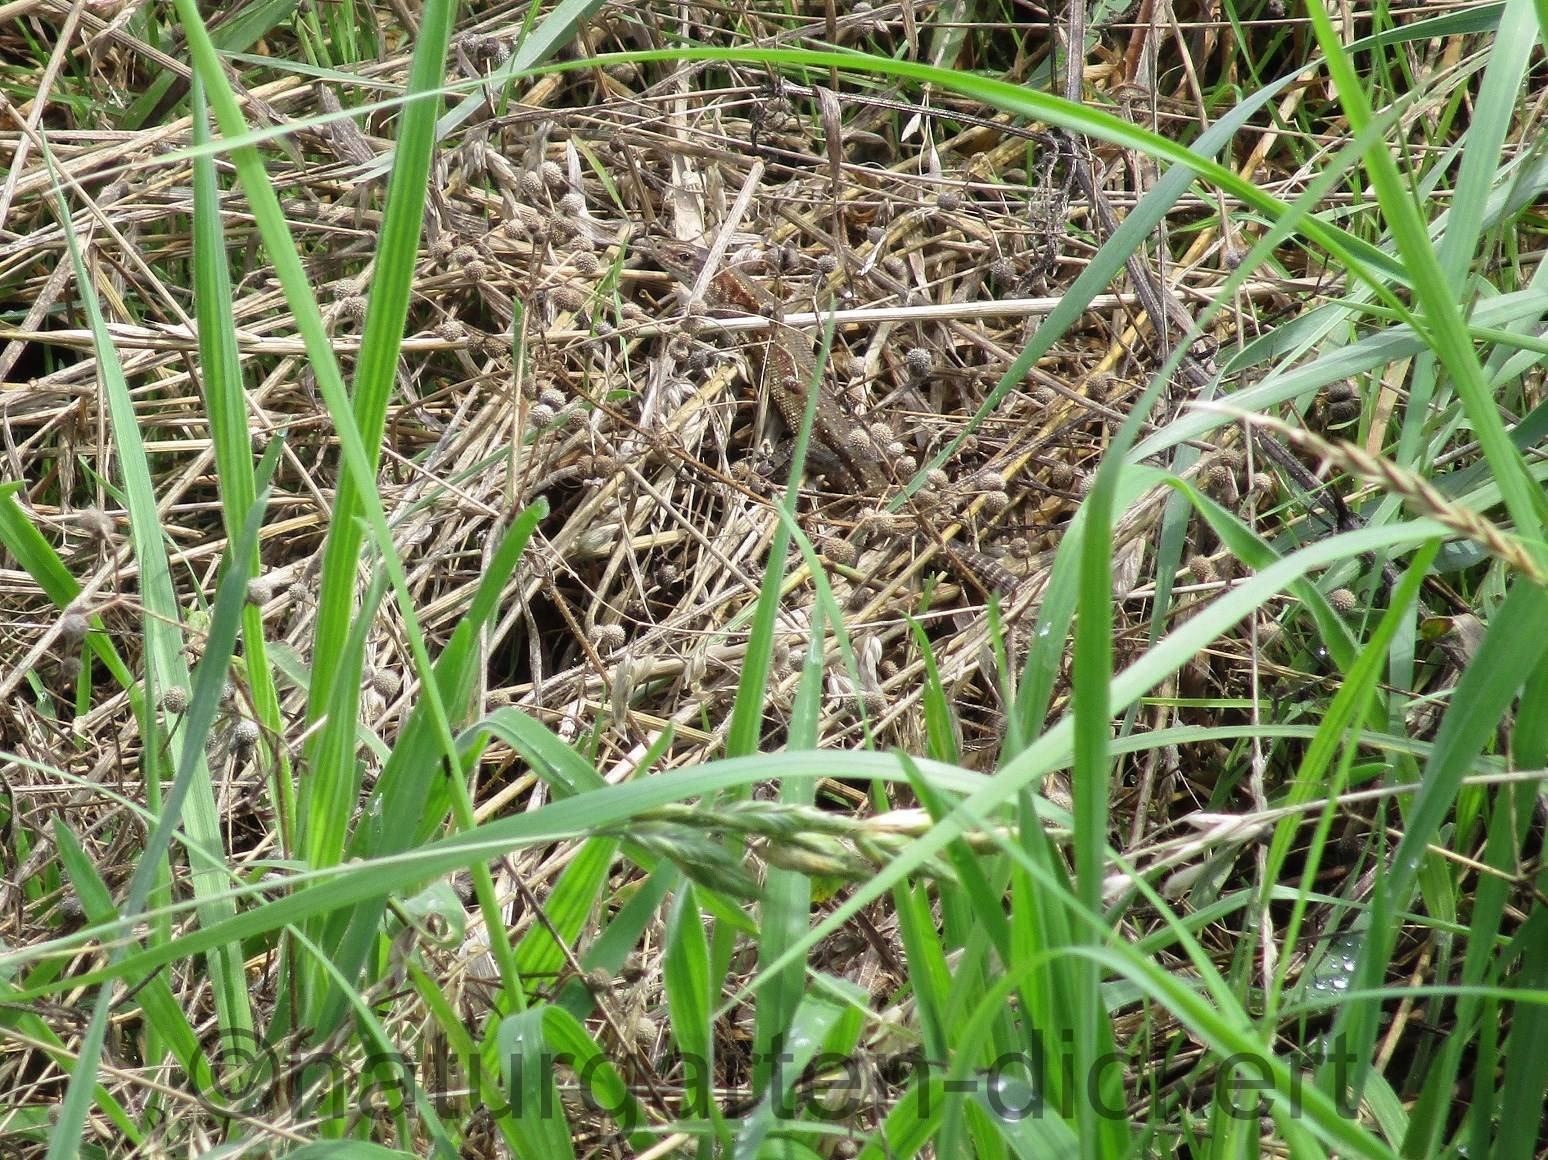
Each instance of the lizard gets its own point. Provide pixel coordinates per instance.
(785, 365)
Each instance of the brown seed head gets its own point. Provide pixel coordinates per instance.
(996, 502)
(989, 480)
(386, 682)
(73, 625)
(569, 297)
(244, 734)
(96, 523)
(839, 550)
(606, 638)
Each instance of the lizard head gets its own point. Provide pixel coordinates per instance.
(682, 259)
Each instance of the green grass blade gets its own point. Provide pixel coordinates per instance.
(582, 814)
(568, 1037)
(191, 776)
(787, 893)
(541, 41)
(224, 397)
(39, 560)
(387, 308)
(411, 797)
(532, 1110)
(1442, 316)
(1091, 678)
(164, 659)
(747, 712)
(1511, 649)
(690, 996)
(358, 460)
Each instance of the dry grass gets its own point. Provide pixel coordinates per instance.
(642, 431)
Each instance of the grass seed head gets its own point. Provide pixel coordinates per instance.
(386, 682)
(96, 523)
(260, 591)
(244, 734)
(73, 625)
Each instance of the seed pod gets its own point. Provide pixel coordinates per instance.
(73, 626)
(244, 734)
(569, 297)
(858, 443)
(96, 523)
(606, 638)
(386, 682)
(839, 550)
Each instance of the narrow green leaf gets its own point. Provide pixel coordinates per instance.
(534, 1113)
(690, 995)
